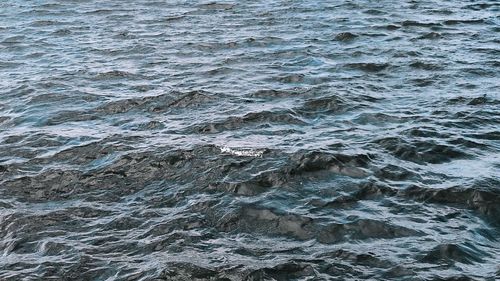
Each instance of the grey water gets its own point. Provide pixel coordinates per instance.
(249, 140)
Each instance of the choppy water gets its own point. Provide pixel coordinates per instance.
(249, 140)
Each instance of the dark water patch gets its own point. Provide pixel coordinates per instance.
(263, 118)
(298, 166)
(115, 74)
(453, 253)
(378, 119)
(375, 12)
(453, 278)
(192, 99)
(39, 23)
(309, 167)
(247, 188)
(173, 18)
(392, 27)
(216, 6)
(349, 165)
(122, 106)
(463, 21)
(481, 6)
(148, 126)
(467, 143)
(268, 222)
(425, 132)
(368, 67)
(431, 36)
(479, 100)
(486, 50)
(272, 94)
(304, 228)
(286, 271)
(69, 116)
(40, 140)
(371, 190)
(4, 119)
(292, 78)
(367, 258)
(421, 151)
(483, 200)
(159, 103)
(423, 82)
(396, 173)
(345, 36)
(101, 11)
(13, 40)
(366, 191)
(399, 271)
(411, 23)
(477, 118)
(9, 65)
(333, 104)
(187, 271)
(363, 229)
(62, 32)
(125, 35)
(480, 72)
(492, 135)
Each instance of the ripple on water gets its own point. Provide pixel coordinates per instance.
(174, 140)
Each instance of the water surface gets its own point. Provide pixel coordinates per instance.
(249, 140)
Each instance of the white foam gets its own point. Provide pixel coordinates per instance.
(242, 152)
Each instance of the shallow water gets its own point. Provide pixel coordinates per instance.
(248, 140)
